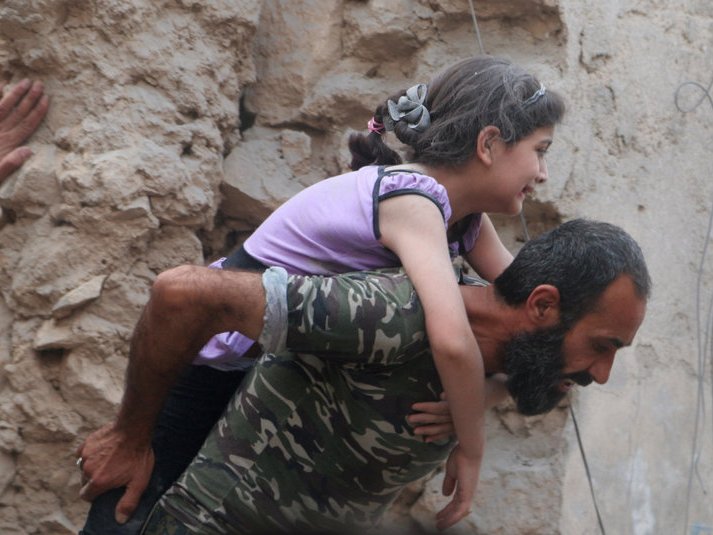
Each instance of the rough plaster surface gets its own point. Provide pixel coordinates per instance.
(176, 126)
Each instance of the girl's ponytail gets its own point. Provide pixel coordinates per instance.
(370, 149)
(405, 114)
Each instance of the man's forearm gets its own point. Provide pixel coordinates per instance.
(188, 306)
(152, 370)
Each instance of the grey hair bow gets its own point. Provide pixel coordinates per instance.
(410, 108)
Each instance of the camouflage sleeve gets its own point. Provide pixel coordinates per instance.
(372, 316)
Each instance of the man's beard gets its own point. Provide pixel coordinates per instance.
(534, 362)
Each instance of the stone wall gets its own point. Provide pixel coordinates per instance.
(177, 126)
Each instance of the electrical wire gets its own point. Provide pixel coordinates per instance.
(703, 334)
(590, 481)
(586, 470)
(523, 221)
(475, 25)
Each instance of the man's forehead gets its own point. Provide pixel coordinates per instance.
(618, 313)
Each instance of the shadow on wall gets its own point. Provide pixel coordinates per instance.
(539, 217)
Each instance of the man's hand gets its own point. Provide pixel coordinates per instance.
(109, 459)
(462, 476)
(22, 109)
(432, 420)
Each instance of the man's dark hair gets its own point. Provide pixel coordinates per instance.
(581, 258)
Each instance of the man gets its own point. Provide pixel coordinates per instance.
(22, 109)
(318, 437)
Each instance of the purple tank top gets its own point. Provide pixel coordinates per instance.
(332, 227)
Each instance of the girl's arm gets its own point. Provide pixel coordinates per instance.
(489, 257)
(412, 227)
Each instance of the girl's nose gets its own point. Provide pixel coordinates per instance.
(542, 175)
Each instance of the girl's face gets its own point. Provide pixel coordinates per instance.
(518, 169)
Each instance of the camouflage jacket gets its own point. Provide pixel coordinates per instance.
(317, 435)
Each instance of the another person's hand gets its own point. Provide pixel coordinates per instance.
(110, 459)
(461, 476)
(22, 109)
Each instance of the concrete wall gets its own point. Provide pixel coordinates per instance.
(176, 126)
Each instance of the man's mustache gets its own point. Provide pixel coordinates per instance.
(581, 378)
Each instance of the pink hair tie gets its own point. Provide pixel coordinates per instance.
(375, 126)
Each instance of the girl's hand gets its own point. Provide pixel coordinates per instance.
(461, 475)
(432, 420)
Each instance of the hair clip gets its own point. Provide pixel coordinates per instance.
(411, 108)
(535, 96)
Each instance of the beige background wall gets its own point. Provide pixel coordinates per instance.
(176, 126)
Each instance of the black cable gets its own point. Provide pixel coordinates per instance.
(586, 469)
(703, 339)
(574, 421)
(527, 238)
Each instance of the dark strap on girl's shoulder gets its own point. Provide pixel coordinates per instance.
(406, 191)
(375, 202)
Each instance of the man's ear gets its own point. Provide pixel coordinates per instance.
(484, 143)
(543, 306)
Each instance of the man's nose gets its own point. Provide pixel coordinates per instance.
(601, 369)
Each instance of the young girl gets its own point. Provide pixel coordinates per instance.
(477, 136)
